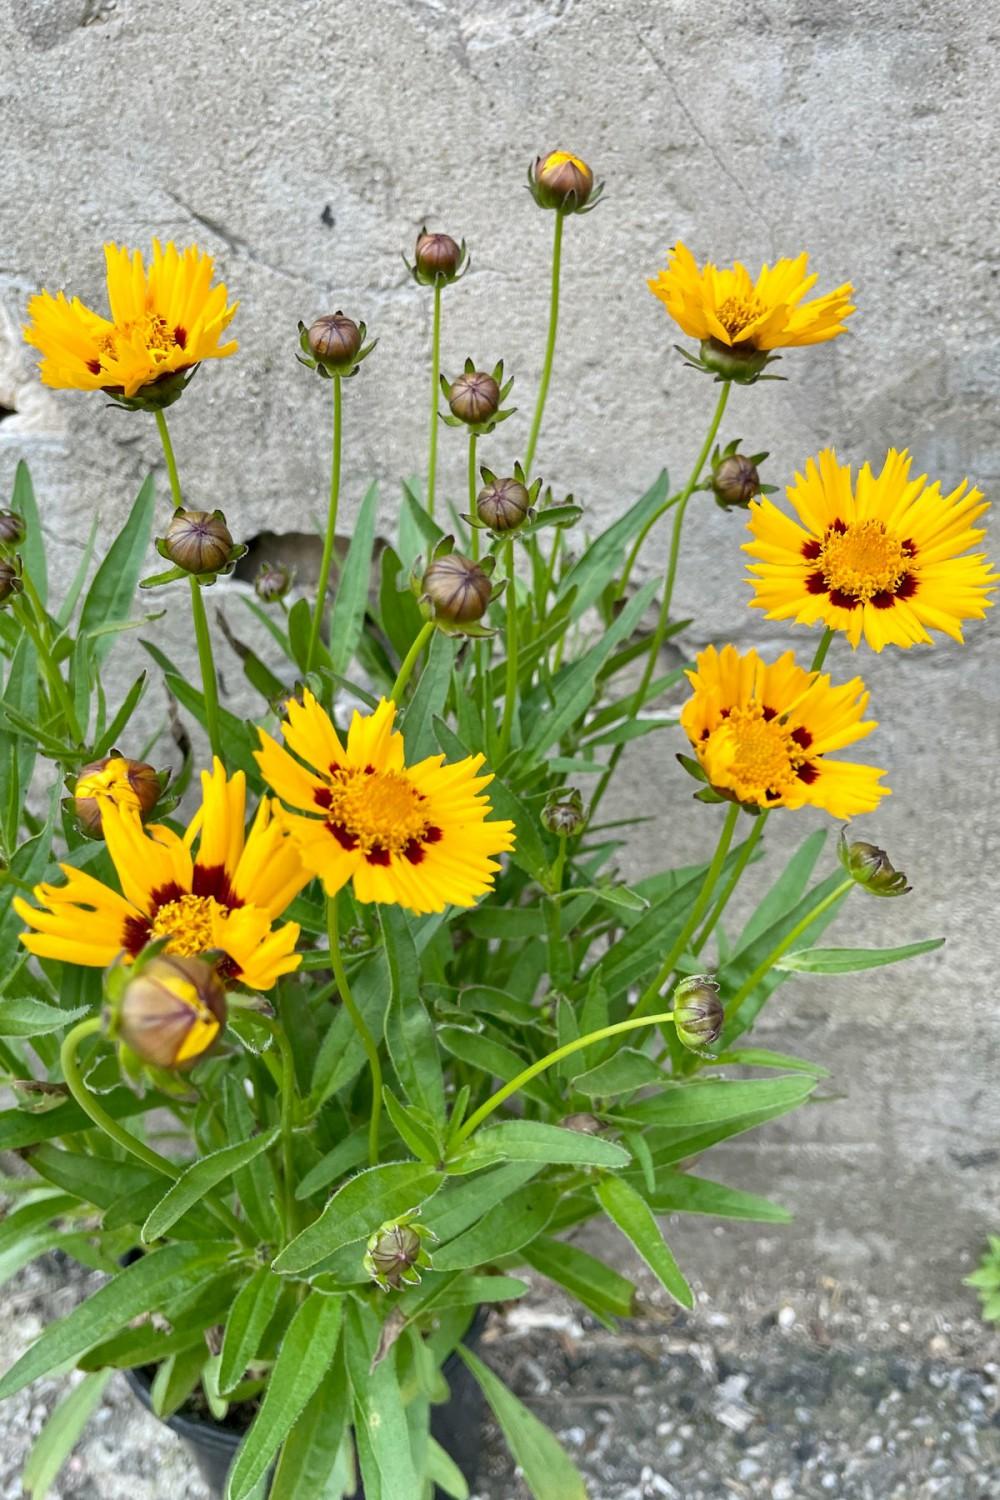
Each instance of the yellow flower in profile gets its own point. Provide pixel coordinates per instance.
(414, 836)
(164, 320)
(738, 320)
(222, 899)
(886, 558)
(763, 733)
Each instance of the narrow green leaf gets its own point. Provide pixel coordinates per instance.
(787, 889)
(24, 1016)
(109, 598)
(176, 1379)
(306, 1353)
(251, 1312)
(307, 1468)
(623, 1072)
(503, 1229)
(353, 585)
(460, 1204)
(32, 549)
(605, 557)
(254, 1183)
(443, 1471)
(760, 1057)
(200, 1178)
(547, 1468)
(717, 1099)
(608, 1294)
(357, 1209)
(409, 1033)
(379, 1413)
(627, 1208)
(533, 1140)
(851, 960)
(679, 1192)
(61, 1433)
(430, 696)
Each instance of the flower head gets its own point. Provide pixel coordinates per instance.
(165, 319)
(763, 733)
(738, 321)
(221, 900)
(130, 784)
(886, 557)
(334, 345)
(437, 259)
(415, 836)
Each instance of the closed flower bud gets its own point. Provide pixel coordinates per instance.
(126, 783)
(395, 1255)
(198, 541)
(562, 181)
(503, 505)
(735, 481)
(563, 813)
(335, 339)
(10, 580)
(458, 589)
(273, 582)
(12, 528)
(698, 1012)
(871, 868)
(170, 1011)
(437, 257)
(474, 397)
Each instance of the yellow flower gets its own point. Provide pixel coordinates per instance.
(727, 311)
(413, 836)
(164, 321)
(763, 733)
(127, 783)
(225, 898)
(879, 558)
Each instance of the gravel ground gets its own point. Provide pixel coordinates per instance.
(828, 1394)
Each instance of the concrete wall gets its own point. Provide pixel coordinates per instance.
(305, 141)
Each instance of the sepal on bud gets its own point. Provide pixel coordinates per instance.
(438, 260)
(564, 814)
(870, 867)
(334, 345)
(198, 543)
(561, 181)
(699, 1014)
(396, 1255)
(505, 506)
(476, 398)
(157, 395)
(168, 1011)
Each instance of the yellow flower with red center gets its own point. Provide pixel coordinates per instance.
(164, 320)
(223, 898)
(415, 836)
(726, 306)
(763, 733)
(886, 557)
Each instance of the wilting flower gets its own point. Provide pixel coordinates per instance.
(739, 321)
(222, 900)
(880, 558)
(870, 867)
(414, 836)
(164, 321)
(763, 733)
(127, 784)
(170, 1011)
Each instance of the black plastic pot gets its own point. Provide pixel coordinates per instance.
(455, 1424)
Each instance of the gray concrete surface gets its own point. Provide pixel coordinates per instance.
(304, 143)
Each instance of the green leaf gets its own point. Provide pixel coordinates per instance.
(176, 1379)
(604, 558)
(787, 889)
(345, 1156)
(503, 1229)
(308, 1462)
(353, 585)
(408, 1031)
(205, 1306)
(399, 613)
(109, 598)
(61, 1433)
(607, 1294)
(23, 1016)
(429, 697)
(629, 1210)
(460, 1204)
(140, 1288)
(444, 1472)
(705, 1103)
(200, 1178)
(488, 1056)
(306, 1353)
(379, 1414)
(622, 1073)
(19, 1129)
(255, 1305)
(533, 1140)
(850, 960)
(357, 1209)
(32, 549)
(678, 1192)
(760, 1057)
(410, 1128)
(548, 1470)
(254, 1183)
(529, 850)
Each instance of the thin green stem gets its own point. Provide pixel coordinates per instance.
(567, 1050)
(550, 345)
(432, 445)
(510, 694)
(409, 661)
(330, 536)
(786, 942)
(559, 865)
(85, 1099)
(287, 1102)
(473, 492)
(743, 859)
(652, 991)
(360, 1025)
(209, 682)
(168, 453)
(821, 650)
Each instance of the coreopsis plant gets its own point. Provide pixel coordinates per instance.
(319, 1059)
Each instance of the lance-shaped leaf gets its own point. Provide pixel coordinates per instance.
(357, 1209)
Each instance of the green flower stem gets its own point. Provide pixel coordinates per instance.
(168, 453)
(781, 948)
(330, 538)
(558, 866)
(473, 492)
(410, 659)
(58, 690)
(510, 695)
(661, 510)
(652, 991)
(550, 346)
(288, 1096)
(743, 859)
(567, 1050)
(821, 650)
(367, 1040)
(432, 445)
(111, 1127)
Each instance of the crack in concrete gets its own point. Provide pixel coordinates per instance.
(237, 244)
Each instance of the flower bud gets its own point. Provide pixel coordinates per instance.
(562, 181)
(503, 505)
(170, 1011)
(335, 340)
(474, 397)
(395, 1255)
(198, 541)
(125, 783)
(563, 813)
(735, 481)
(458, 590)
(698, 1012)
(871, 868)
(12, 528)
(10, 580)
(437, 258)
(273, 582)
